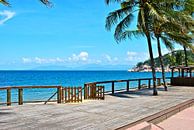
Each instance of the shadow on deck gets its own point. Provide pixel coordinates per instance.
(136, 93)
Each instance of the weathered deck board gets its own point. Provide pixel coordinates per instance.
(110, 113)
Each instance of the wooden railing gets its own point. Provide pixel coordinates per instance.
(140, 85)
(72, 94)
(20, 94)
(94, 92)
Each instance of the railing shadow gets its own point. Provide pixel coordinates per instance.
(133, 93)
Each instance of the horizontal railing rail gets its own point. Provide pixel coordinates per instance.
(140, 85)
(28, 87)
(20, 94)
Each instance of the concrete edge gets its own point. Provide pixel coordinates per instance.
(162, 115)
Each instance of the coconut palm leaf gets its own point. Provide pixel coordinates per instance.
(5, 2)
(125, 23)
(116, 15)
(129, 2)
(155, 14)
(168, 44)
(129, 34)
(112, 1)
(46, 2)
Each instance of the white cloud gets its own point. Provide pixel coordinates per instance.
(110, 59)
(136, 56)
(83, 56)
(6, 15)
(26, 60)
(38, 60)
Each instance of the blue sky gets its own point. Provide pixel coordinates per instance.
(69, 34)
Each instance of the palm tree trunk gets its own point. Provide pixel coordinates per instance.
(161, 62)
(146, 31)
(186, 57)
(152, 63)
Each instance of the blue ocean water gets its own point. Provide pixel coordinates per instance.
(64, 78)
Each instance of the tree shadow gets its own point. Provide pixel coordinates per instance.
(6, 113)
(133, 94)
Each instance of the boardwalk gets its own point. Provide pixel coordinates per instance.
(111, 113)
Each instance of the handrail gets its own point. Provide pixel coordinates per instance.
(24, 87)
(110, 81)
(20, 93)
(127, 81)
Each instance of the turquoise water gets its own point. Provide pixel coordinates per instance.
(64, 78)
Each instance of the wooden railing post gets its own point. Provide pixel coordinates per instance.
(172, 73)
(81, 93)
(8, 97)
(85, 91)
(59, 94)
(190, 72)
(158, 82)
(20, 96)
(149, 83)
(62, 95)
(183, 71)
(139, 84)
(113, 87)
(127, 85)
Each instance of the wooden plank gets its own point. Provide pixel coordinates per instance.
(65, 94)
(71, 94)
(127, 85)
(68, 94)
(75, 94)
(8, 97)
(20, 96)
(62, 95)
(85, 91)
(81, 93)
(59, 95)
(113, 88)
(158, 82)
(139, 84)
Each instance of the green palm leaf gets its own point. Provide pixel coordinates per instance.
(129, 34)
(125, 23)
(46, 2)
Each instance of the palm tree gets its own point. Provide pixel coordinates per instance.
(168, 33)
(150, 13)
(6, 3)
(124, 17)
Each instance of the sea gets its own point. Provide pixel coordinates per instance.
(63, 78)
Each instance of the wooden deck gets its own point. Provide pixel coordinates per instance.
(113, 112)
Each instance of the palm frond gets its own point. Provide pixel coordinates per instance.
(155, 14)
(125, 23)
(168, 44)
(46, 2)
(5, 2)
(115, 16)
(129, 34)
(112, 1)
(141, 20)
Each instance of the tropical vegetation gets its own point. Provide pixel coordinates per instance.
(168, 20)
(175, 58)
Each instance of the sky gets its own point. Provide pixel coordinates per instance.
(70, 34)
